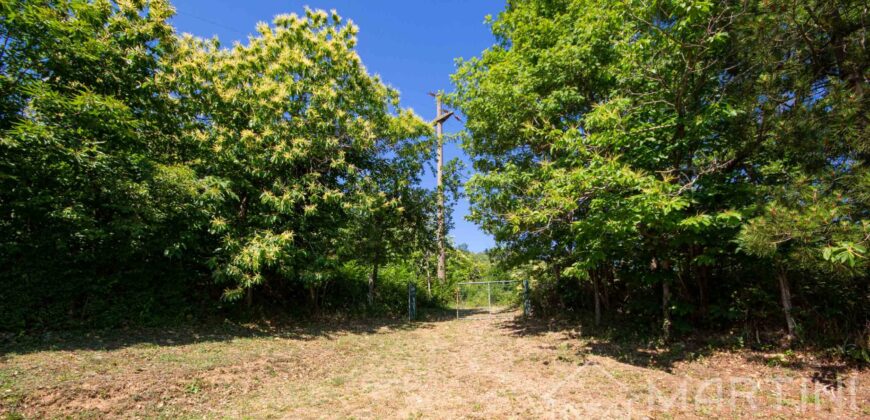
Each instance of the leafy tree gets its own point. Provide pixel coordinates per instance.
(640, 142)
(391, 221)
(134, 160)
(299, 139)
(95, 196)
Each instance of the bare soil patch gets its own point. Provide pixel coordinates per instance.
(445, 368)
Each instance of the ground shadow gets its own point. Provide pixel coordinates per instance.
(661, 356)
(651, 352)
(483, 313)
(830, 374)
(199, 332)
(635, 351)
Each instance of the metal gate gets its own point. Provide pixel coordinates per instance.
(526, 305)
(473, 310)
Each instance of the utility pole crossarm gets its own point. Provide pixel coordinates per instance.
(443, 117)
(440, 118)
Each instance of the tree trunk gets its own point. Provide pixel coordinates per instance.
(604, 286)
(700, 273)
(703, 276)
(312, 296)
(666, 299)
(557, 276)
(373, 279)
(595, 291)
(666, 313)
(428, 278)
(243, 214)
(785, 292)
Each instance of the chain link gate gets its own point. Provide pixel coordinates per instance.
(464, 308)
(526, 303)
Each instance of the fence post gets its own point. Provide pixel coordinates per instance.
(412, 301)
(457, 300)
(489, 295)
(527, 305)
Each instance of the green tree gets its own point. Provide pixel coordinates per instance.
(96, 198)
(647, 138)
(299, 137)
(391, 221)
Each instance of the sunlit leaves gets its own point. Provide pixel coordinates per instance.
(298, 130)
(706, 137)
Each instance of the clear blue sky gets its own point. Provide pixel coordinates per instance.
(410, 44)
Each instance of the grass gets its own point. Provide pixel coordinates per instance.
(432, 369)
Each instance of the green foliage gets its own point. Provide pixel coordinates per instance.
(703, 148)
(680, 163)
(133, 162)
(298, 131)
(96, 205)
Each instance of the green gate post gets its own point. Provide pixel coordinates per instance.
(412, 301)
(489, 296)
(527, 305)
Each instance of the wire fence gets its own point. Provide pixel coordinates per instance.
(483, 299)
(490, 299)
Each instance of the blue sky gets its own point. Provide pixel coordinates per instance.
(410, 44)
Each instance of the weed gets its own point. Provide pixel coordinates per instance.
(810, 399)
(194, 387)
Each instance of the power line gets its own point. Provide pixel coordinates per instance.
(211, 22)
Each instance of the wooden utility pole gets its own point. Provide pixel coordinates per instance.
(440, 117)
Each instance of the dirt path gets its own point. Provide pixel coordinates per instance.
(489, 368)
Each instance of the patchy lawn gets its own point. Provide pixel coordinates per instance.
(480, 368)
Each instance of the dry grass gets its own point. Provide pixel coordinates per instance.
(438, 369)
